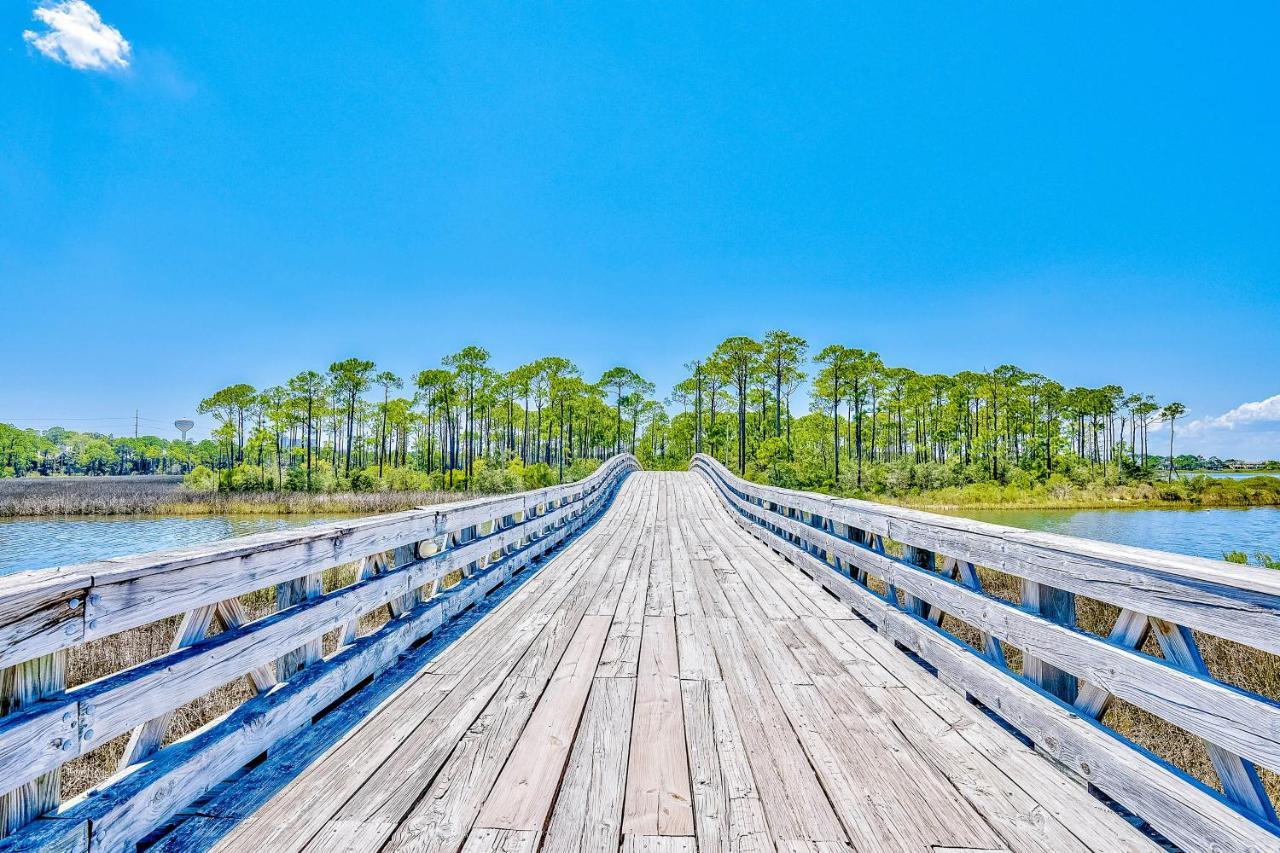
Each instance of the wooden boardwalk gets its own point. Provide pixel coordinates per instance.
(667, 683)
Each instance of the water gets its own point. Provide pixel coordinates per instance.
(1228, 475)
(34, 543)
(1199, 532)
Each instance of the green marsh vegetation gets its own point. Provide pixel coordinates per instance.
(358, 438)
(1002, 438)
(350, 439)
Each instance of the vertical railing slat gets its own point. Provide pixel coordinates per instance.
(1058, 606)
(1239, 778)
(21, 685)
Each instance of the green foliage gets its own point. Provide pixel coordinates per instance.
(1261, 560)
(537, 476)
(496, 479)
(580, 469)
(201, 479)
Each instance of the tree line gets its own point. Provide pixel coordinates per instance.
(870, 426)
(462, 422)
(58, 451)
(874, 426)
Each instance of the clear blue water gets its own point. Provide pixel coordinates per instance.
(34, 543)
(1200, 532)
(1229, 475)
(31, 543)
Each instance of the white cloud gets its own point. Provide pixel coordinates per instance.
(76, 36)
(1260, 412)
(1249, 431)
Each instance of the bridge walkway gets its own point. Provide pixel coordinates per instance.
(667, 683)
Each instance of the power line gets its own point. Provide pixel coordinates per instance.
(103, 418)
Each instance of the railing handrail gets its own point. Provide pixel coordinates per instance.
(45, 610)
(1090, 566)
(1187, 565)
(403, 562)
(841, 544)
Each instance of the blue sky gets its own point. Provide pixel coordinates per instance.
(246, 190)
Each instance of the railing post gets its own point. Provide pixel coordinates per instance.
(923, 559)
(20, 686)
(288, 594)
(1058, 606)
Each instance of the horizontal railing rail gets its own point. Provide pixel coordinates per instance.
(1068, 678)
(402, 562)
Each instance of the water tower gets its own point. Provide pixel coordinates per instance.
(184, 426)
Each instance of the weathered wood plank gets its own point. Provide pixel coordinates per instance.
(523, 793)
(21, 686)
(1177, 806)
(588, 809)
(658, 799)
(657, 844)
(1204, 594)
(483, 840)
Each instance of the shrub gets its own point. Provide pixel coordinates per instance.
(537, 476)
(201, 479)
(491, 480)
(244, 478)
(580, 469)
(364, 481)
(408, 480)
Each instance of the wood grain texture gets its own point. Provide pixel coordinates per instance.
(1177, 806)
(677, 677)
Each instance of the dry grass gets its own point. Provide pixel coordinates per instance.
(163, 495)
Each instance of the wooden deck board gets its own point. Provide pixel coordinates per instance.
(667, 683)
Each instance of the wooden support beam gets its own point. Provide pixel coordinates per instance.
(20, 686)
(1239, 778)
(287, 595)
(1057, 606)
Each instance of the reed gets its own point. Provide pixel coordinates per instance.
(156, 495)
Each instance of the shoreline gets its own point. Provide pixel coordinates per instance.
(952, 507)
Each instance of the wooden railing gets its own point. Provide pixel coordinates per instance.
(403, 561)
(917, 577)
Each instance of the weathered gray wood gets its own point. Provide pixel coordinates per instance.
(1130, 632)
(1178, 807)
(119, 702)
(41, 612)
(21, 686)
(1236, 602)
(129, 805)
(1058, 606)
(147, 738)
(1239, 779)
(588, 813)
(475, 672)
(128, 808)
(36, 617)
(1245, 724)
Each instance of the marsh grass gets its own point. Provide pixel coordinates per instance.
(1194, 493)
(162, 495)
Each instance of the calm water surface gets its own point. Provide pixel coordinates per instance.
(1228, 475)
(1200, 532)
(31, 543)
(34, 543)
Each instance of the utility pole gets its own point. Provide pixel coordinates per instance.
(135, 423)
